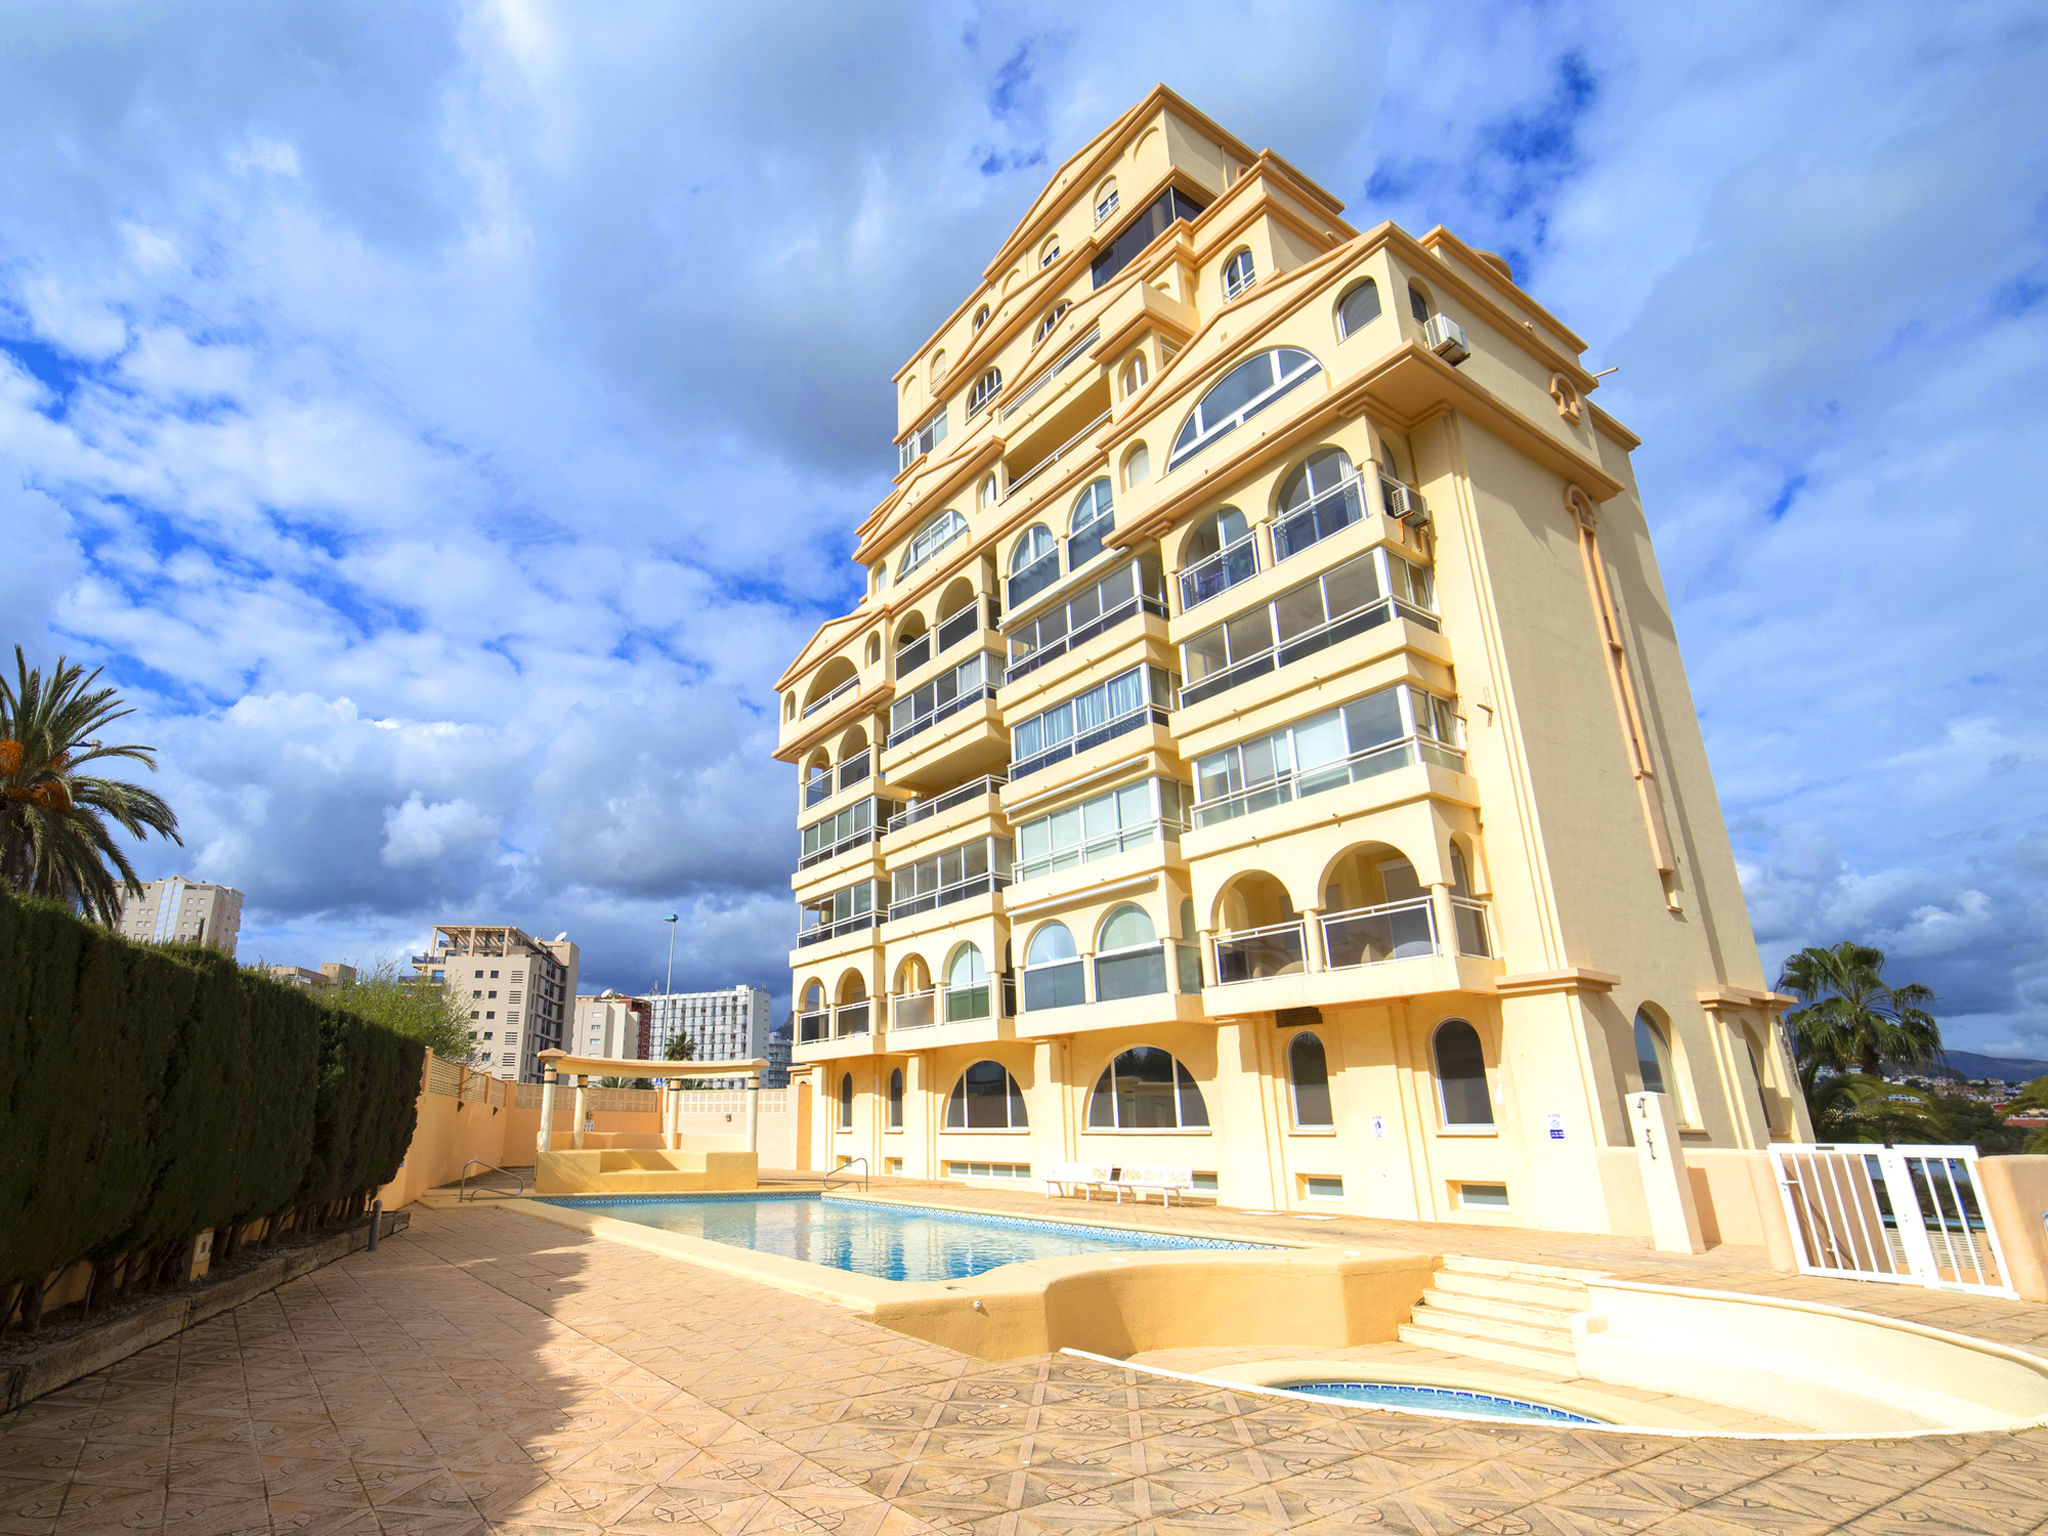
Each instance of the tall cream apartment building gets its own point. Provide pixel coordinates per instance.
(521, 991)
(181, 911)
(1262, 747)
(611, 1025)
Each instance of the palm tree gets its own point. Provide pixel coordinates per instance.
(1852, 1020)
(54, 835)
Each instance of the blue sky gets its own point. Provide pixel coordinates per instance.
(444, 420)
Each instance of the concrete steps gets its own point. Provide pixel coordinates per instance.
(1498, 1310)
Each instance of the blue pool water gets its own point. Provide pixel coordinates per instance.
(1482, 1405)
(890, 1242)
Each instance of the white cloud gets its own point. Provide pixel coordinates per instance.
(418, 833)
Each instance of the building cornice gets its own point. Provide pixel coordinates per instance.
(1573, 979)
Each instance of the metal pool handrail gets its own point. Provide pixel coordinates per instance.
(847, 1169)
(477, 1162)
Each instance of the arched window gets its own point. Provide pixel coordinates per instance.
(988, 491)
(1105, 200)
(1129, 959)
(1052, 969)
(1391, 464)
(1238, 274)
(1050, 319)
(846, 1102)
(1321, 472)
(986, 1098)
(1653, 1055)
(981, 317)
(966, 985)
(1093, 518)
(939, 365)
(1359, 307)
(1239, 395)
(1146, 1089)
(1132, 377)
(1137, 466)
(1309, 1070)
(1461, 1077)
(1049, 252)
(896, 1099)
(1220, 530)
(814, 997)
(931, 538)
(1418, 302)
(1034, 564)
(985, 389)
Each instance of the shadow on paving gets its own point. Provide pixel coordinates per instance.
(488, 1371)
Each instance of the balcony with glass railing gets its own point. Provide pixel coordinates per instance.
(940, 698)
(1297, 784)
(826, 699)
(1352, 940)
(851, 1019)
(1218, 573)
(813, 1027)
(1132, 589)
(1127, 702)
(1253, 954)
(924, 810)
(975, 868)
(943, 636)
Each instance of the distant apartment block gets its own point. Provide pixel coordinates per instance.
(181, 911)
(332, 974)
(611, 1025)
(779, 1041)
(728, 1025)
(521, 991)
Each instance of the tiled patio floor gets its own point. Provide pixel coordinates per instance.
(488, 1371)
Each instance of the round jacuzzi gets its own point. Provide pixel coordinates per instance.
(1407, 1398)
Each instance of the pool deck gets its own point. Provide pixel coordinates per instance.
(486, 1371)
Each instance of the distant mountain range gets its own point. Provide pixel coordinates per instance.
(2012, 1069)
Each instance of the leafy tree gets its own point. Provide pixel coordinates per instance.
(680, 1048)
(1855, 1106)
(1851, 1020)
(2033, 1096)
(407, 1004)
(55, 840)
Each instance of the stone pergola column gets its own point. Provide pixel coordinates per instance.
(582, 1089)
(754, 1112)
(547, 1104)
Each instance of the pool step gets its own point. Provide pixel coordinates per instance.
(1519, 1315)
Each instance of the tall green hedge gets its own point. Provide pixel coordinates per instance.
(148, 1094)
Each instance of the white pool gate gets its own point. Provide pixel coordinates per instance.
(1907, 1214)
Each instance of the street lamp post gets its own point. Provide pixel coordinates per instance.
(668, 985)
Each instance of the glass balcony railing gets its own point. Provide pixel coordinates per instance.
(813, 1027)
(818, 787)
(1219, 572)
(1309, 524)
(843, 689)
(1149, 714)
(1128, 609)
(1071, 356)
(1396, 930)
(1034, 578)
(855, 769)
(914, 654)
(850, 1019)
(913, 1010)
(1321, 638)
(1254, 954)
(924, 722)
(960, 890)
(834, 930)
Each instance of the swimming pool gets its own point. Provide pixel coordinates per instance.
(889, 1242)
(1413, 1399)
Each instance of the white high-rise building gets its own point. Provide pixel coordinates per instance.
(728, 1025)
(181, 911)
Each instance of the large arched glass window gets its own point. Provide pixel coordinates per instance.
(986, 1098)
(985, 389)
(1653, 1056)
(1092, 520)
(1309, 1071)
(1359, 307)
(966, 985)
(1048, 320)
(1239, 395)
(896, 1099)
(1146, 1089)
(1052, 969)
(1461, 1077)
(1418, 302)
(931, 538)
(1034, 564)
(1129, 959)
(846, 1102)
(1238, 274)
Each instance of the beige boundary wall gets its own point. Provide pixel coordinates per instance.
(465, 1114)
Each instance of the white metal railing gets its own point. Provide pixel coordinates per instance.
(973, 789)
(1253, 954)
(1053, 458)
(1067, 359)
(1329, 512)
(844, 688)
(1297, 784)
(1908, 1214)
(1393, 930)
(814, 1026)
(851, 1019)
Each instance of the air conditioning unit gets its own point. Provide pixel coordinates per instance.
(1446, 338)
(1405, 503)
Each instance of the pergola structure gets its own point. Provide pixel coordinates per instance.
(556, 1065)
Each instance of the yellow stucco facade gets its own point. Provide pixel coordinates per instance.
(1264, 668)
